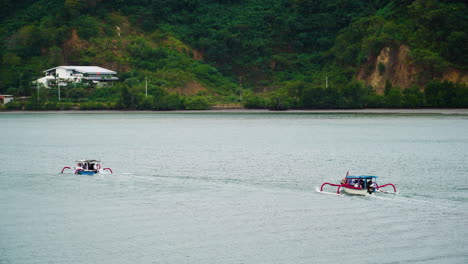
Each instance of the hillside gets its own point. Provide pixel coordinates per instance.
(282, 54)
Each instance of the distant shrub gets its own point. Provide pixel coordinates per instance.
(64, 106)
(413, 97)
(254, 102)
(94, 106)
(76, 93)
(104, 93)
(87, 26)
(33, 104)
(196, 103)
(394, 98)
(374, 101)
(15, 105)
(280, 100)
(146, 103)
(50, 105)
(461, 96)
(172, 102)
(446, 94)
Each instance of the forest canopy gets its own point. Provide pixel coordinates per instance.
(265, 53)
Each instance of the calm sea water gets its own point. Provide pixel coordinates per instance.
(232, 188)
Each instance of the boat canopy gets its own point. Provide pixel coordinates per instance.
(88, 161)
(361, 177)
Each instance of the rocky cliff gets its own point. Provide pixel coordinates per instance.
(393, 65)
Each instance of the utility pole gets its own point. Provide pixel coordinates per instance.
(326, 81)
(146, 86)
(58, 85)
(20, 85)
(240, 88)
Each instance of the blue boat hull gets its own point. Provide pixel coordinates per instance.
(82, 172)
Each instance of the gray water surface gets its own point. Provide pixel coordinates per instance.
(232, 188)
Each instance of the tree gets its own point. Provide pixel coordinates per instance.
(295, 90)
(413, 97)
(440, 94)
(394, 98)
(76, 93)
(125, 100)
(355, 93)
(196, 103)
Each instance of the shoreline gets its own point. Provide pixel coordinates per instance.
(442, 111)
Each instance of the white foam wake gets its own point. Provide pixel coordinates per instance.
(317, 189)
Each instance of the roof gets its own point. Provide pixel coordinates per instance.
(88, 161)
(361, 177)
(101, 79)
(85, 69)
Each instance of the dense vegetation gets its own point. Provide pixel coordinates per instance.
(195, 53)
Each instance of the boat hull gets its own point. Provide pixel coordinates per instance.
(83, 172)
(354, 191)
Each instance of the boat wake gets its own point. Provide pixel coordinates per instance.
(383, 196)
(390, 193)
(373, 196)
(317, 189)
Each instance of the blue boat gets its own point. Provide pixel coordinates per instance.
(85, 172)
(88, 167)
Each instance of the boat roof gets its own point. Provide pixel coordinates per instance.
(88, 161)
(361, 177)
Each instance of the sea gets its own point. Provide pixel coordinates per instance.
(209, 187)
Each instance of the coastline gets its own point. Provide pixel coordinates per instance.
(442, 111)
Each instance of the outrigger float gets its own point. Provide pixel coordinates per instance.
(87, 167)
(358, 185)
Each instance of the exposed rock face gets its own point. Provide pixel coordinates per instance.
(73, 44)
(454, 75)
(393, 65)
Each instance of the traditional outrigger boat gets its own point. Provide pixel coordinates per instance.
(358, 185)
(87, 167)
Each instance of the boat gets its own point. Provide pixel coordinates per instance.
(88, 167)
(359, 185)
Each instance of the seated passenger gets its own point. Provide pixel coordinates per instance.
(356, 183)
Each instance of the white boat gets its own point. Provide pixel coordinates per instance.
(354, 191)
(358, 185)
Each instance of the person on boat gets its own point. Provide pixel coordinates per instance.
(94, 167)
(369, 186)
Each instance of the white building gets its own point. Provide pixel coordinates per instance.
(5, 99)
(76, 74)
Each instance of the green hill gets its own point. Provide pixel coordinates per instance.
(275, 53)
